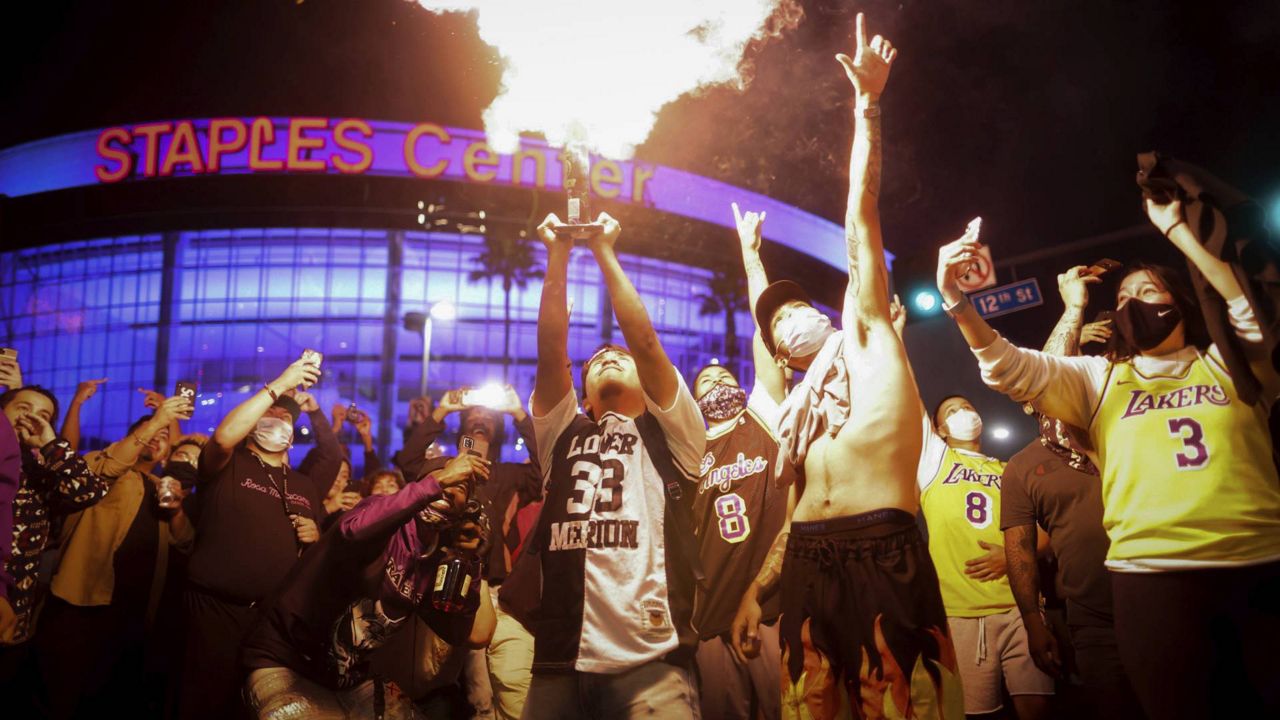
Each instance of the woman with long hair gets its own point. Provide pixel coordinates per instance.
(1191, 495)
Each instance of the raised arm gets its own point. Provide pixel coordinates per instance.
(768, 374)
(238, 423)
(868, 70)
(71, 423)
(552, 380)
(1073, 286)
(382, 514)
(657, 374)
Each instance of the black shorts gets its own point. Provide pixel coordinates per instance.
(863, 626)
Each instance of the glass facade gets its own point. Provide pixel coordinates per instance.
(228, 309)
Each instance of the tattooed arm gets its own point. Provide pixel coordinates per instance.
(1073, 286)
(868, 70)
(744, 636)
(1020, 546)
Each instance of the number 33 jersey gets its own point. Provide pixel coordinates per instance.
(616, 590)
(960, 498)
(738, 510)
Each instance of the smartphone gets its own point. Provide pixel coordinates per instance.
(8, 353)
(353, 412)
(489, 396)
(314, 357)
(1105, 265)
(475, 446)
(186, 390)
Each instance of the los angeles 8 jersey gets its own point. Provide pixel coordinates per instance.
(739, 509)
(615, 590)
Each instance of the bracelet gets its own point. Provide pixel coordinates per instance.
(869, 111)
(1171, 227)
(959, 307)
(272, 393)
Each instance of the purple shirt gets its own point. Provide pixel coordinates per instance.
(10, 472)
(363, 580)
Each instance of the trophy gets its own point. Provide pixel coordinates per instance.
(577, 166)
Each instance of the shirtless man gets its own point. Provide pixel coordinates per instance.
(863, 627)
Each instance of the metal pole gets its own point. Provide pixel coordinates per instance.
(426, 353)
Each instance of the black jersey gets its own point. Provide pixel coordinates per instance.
(615, 592)
(738, 512)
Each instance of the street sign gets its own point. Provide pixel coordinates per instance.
(981, 274)
(1007, 298)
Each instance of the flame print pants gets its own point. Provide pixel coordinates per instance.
(864, 632)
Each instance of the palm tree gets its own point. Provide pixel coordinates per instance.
(508, 258)
(728, 295)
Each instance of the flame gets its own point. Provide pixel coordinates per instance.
(597, 71)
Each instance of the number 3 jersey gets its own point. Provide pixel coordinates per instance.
(1187, 474)
(738, 510)
(617, 589)
(960, 498)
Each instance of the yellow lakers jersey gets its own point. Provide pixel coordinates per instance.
(962, 506)
(1187, 474)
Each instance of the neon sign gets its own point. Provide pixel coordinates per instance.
(160, 151)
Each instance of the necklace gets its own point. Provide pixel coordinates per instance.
(281, 488)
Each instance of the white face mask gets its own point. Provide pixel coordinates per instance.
(964, 425)
(803, 332)
(273, 434)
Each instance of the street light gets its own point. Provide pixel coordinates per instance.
(443, 310)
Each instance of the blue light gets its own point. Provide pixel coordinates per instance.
(926, 301)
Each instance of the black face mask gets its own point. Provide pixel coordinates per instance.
(1145, 325)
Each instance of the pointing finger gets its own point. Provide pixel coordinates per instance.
(861, 24)
(737, 214)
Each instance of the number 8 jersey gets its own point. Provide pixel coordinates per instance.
(616, 590)
(1187, 475)
(960, 498)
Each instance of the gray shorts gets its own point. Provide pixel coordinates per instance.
(991, 650)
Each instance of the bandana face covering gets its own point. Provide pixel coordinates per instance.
(1145, 325)
(722, 402)
(803, 332)
(273, 434)
(964, 425)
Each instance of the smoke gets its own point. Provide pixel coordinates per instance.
(597, 72)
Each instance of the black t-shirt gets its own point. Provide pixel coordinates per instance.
(1038, 487)
(134, 562)
(738, 511)
(245, 541)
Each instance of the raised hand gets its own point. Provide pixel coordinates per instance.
(173, 408)
(419, 410)
(364, 425)
(10, 374)
(151, 399)
(547, 232)
(1073, 286)
(340, 415)
(510, 404)
(954, 260)
(307, 402)
(868, 69)
(898, 315)
(1164, 216)
(461, 469)
(299, 372)
(86, 390)
(750, 227)
(608, 236)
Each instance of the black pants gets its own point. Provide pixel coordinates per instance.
(17, 680)
(91, 662)
(1201, 643)
(212, 679)
(1106, 685)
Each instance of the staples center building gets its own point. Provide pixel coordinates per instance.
(215, 250)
